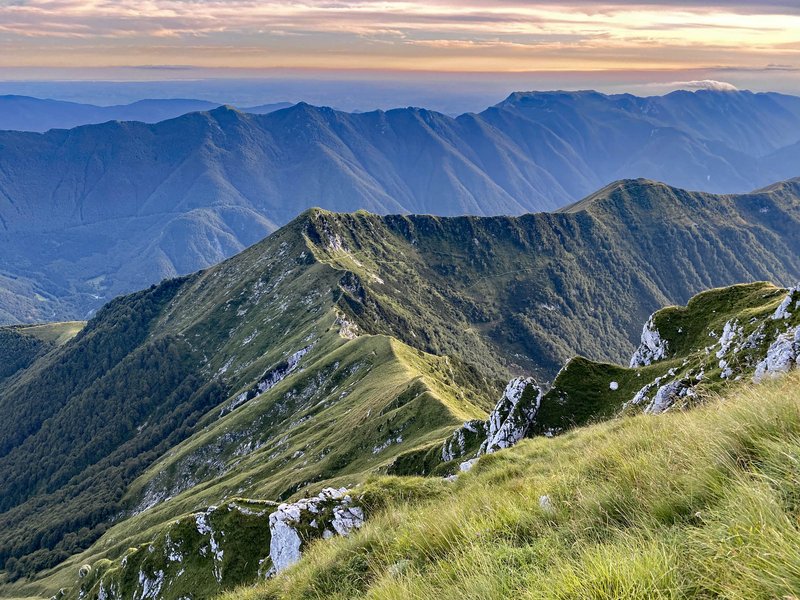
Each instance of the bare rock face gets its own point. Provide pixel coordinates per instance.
(507, 424)
(782, 355)
(652, 347)
(667, 395)
(330, 513)
(512, 417)
(790, 304)
(469, 436)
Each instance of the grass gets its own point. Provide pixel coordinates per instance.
(448, 308)
(695, 504)
(54, 333)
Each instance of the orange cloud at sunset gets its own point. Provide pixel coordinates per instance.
(446, 36)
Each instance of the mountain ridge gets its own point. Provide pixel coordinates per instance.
(234, 381)
(186, 193)
(26, 113)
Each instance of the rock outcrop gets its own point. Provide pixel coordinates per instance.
(507, 424)
(330, 513)
(667, 395)
(465, 439)
(652, 347)
(782, 355)
(790, 303)
(512, 417)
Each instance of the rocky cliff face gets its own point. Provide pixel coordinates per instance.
(512, 417)
(651, 348)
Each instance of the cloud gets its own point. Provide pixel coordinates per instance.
(705, 84)
(511, 35)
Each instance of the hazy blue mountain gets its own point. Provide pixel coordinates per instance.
(23, 113)
(91, 212)
(263, 109)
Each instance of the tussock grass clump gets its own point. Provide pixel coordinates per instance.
(696, 504)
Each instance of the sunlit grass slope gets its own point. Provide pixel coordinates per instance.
(54, 333)
(695, 504)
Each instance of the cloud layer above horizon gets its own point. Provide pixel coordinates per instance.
(428, 35)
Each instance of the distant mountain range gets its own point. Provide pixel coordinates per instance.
(95, 211)
(23, 113)
(345, 345)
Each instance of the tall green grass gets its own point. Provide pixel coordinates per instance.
(697, 504)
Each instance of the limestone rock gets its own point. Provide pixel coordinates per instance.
(293, 524)
(782, 356)
(464, 439)
(792, 301)
(512, 417)
(652, 347)
(667, 395)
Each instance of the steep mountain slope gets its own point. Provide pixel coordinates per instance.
(755, 330)
(96, 211)
(23, 113)
(697, 504)
(22, 344)
(337, 345)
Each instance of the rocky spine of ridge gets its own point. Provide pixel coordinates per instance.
(507, 424)
(766, 345)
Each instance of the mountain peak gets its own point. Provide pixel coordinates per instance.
(225, 108)
(622, 188)
(540, 97)
(789, 185)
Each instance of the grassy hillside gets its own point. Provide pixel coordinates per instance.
(698, 504)
(540, 512)
(57, 334)
(345, 346)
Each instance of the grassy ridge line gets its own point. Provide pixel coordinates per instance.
(526, 294)
(582, 391)
(697, 504)
(54, 333)
(352, 427)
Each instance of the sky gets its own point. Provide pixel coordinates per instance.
(489, 46)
